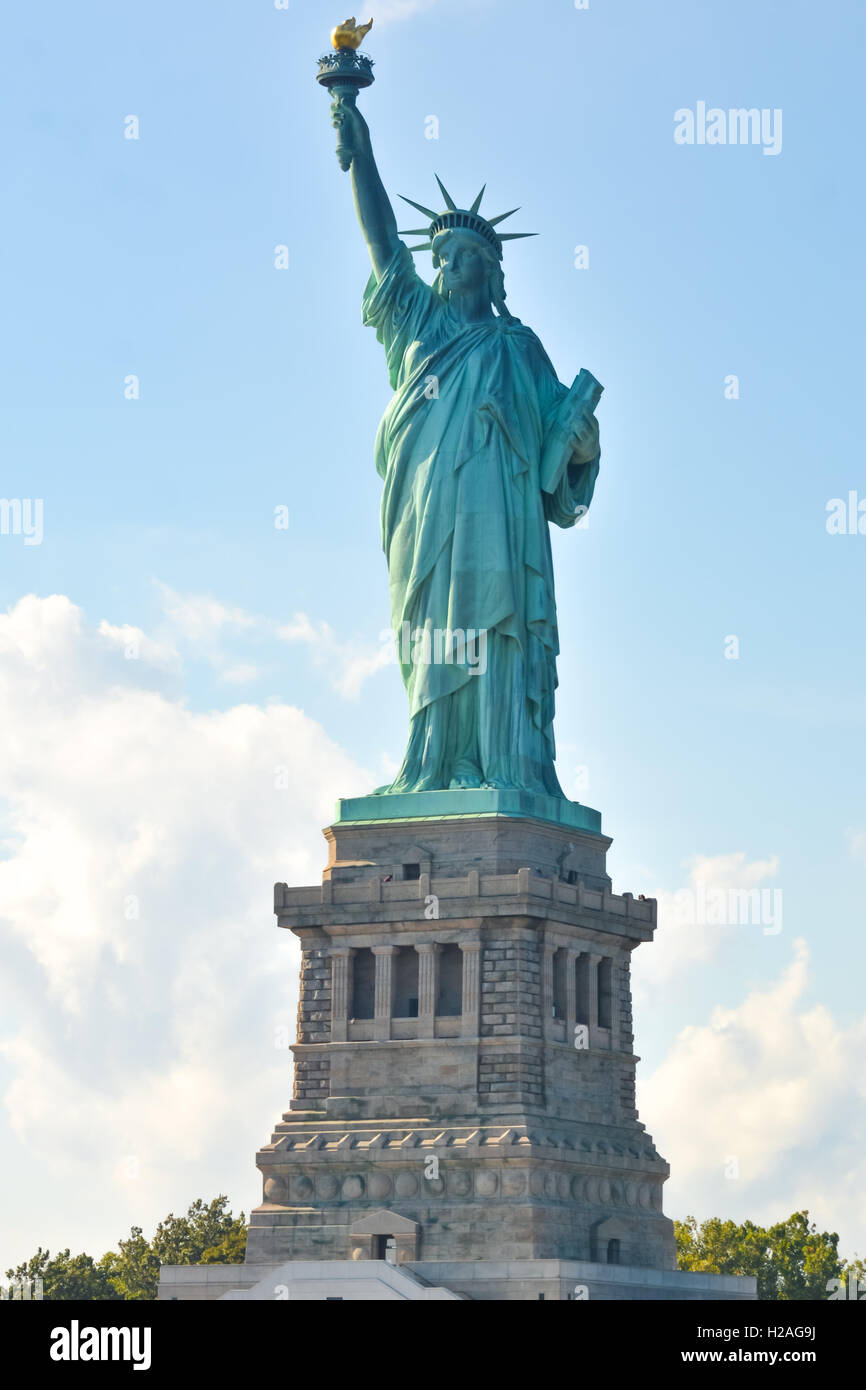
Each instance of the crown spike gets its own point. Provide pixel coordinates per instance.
(477, 204)
(427, 246)
(494, 221)
(428, 212)
(515, 236)
(449, 201)
(415, 231)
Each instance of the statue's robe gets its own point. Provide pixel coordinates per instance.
(479, 451)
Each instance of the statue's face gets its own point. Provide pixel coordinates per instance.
(463, 266)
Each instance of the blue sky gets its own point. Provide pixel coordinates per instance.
(260, 387)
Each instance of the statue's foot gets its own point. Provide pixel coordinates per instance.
(493, 786)
(464, 781)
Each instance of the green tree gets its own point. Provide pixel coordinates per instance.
(207, 1234)
(67, 1277)
(791, 1260)
(183, 1240)
(133, 1268)
(231, 1250)
(31, 1269)
(854, 1274)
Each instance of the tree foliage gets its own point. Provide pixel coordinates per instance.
(207, 1234)
(183, 1240)
(791, 1260)
(66, 1277)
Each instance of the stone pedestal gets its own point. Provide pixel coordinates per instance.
(464, 1070)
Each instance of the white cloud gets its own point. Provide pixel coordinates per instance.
(776, 1085)
(135, 645)
(141, 975)
(682, 940)
(200, 618)
(731, 870)
(209, 629)
(203, 626)
(300, 629)
(350, 663)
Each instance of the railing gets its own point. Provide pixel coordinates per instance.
(524, 883)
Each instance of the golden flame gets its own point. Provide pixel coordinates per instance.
(349, 34)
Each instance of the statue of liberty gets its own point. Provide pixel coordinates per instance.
(480, 448)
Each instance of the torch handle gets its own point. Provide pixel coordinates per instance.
(347, 93)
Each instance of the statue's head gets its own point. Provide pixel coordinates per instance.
(466, 263)
(466, 248)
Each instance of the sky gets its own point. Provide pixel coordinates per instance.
(186, 687)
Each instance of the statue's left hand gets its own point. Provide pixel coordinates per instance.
(585, 439)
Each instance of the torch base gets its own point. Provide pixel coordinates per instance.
(346, 66)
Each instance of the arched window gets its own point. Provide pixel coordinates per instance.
(581, 988)
(450, 1002)
(406, 983)
(363, 984)
(559, 968)
(605, 992)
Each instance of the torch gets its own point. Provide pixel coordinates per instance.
(345, 72)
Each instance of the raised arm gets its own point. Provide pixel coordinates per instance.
(372, 203)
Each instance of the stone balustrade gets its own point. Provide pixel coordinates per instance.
(487, 887)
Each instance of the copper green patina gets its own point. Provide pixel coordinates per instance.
(480, 449)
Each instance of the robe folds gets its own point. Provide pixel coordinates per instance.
(480, 448)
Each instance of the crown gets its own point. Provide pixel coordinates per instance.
(461, 219)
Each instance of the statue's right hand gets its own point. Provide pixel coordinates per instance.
(354, 131)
